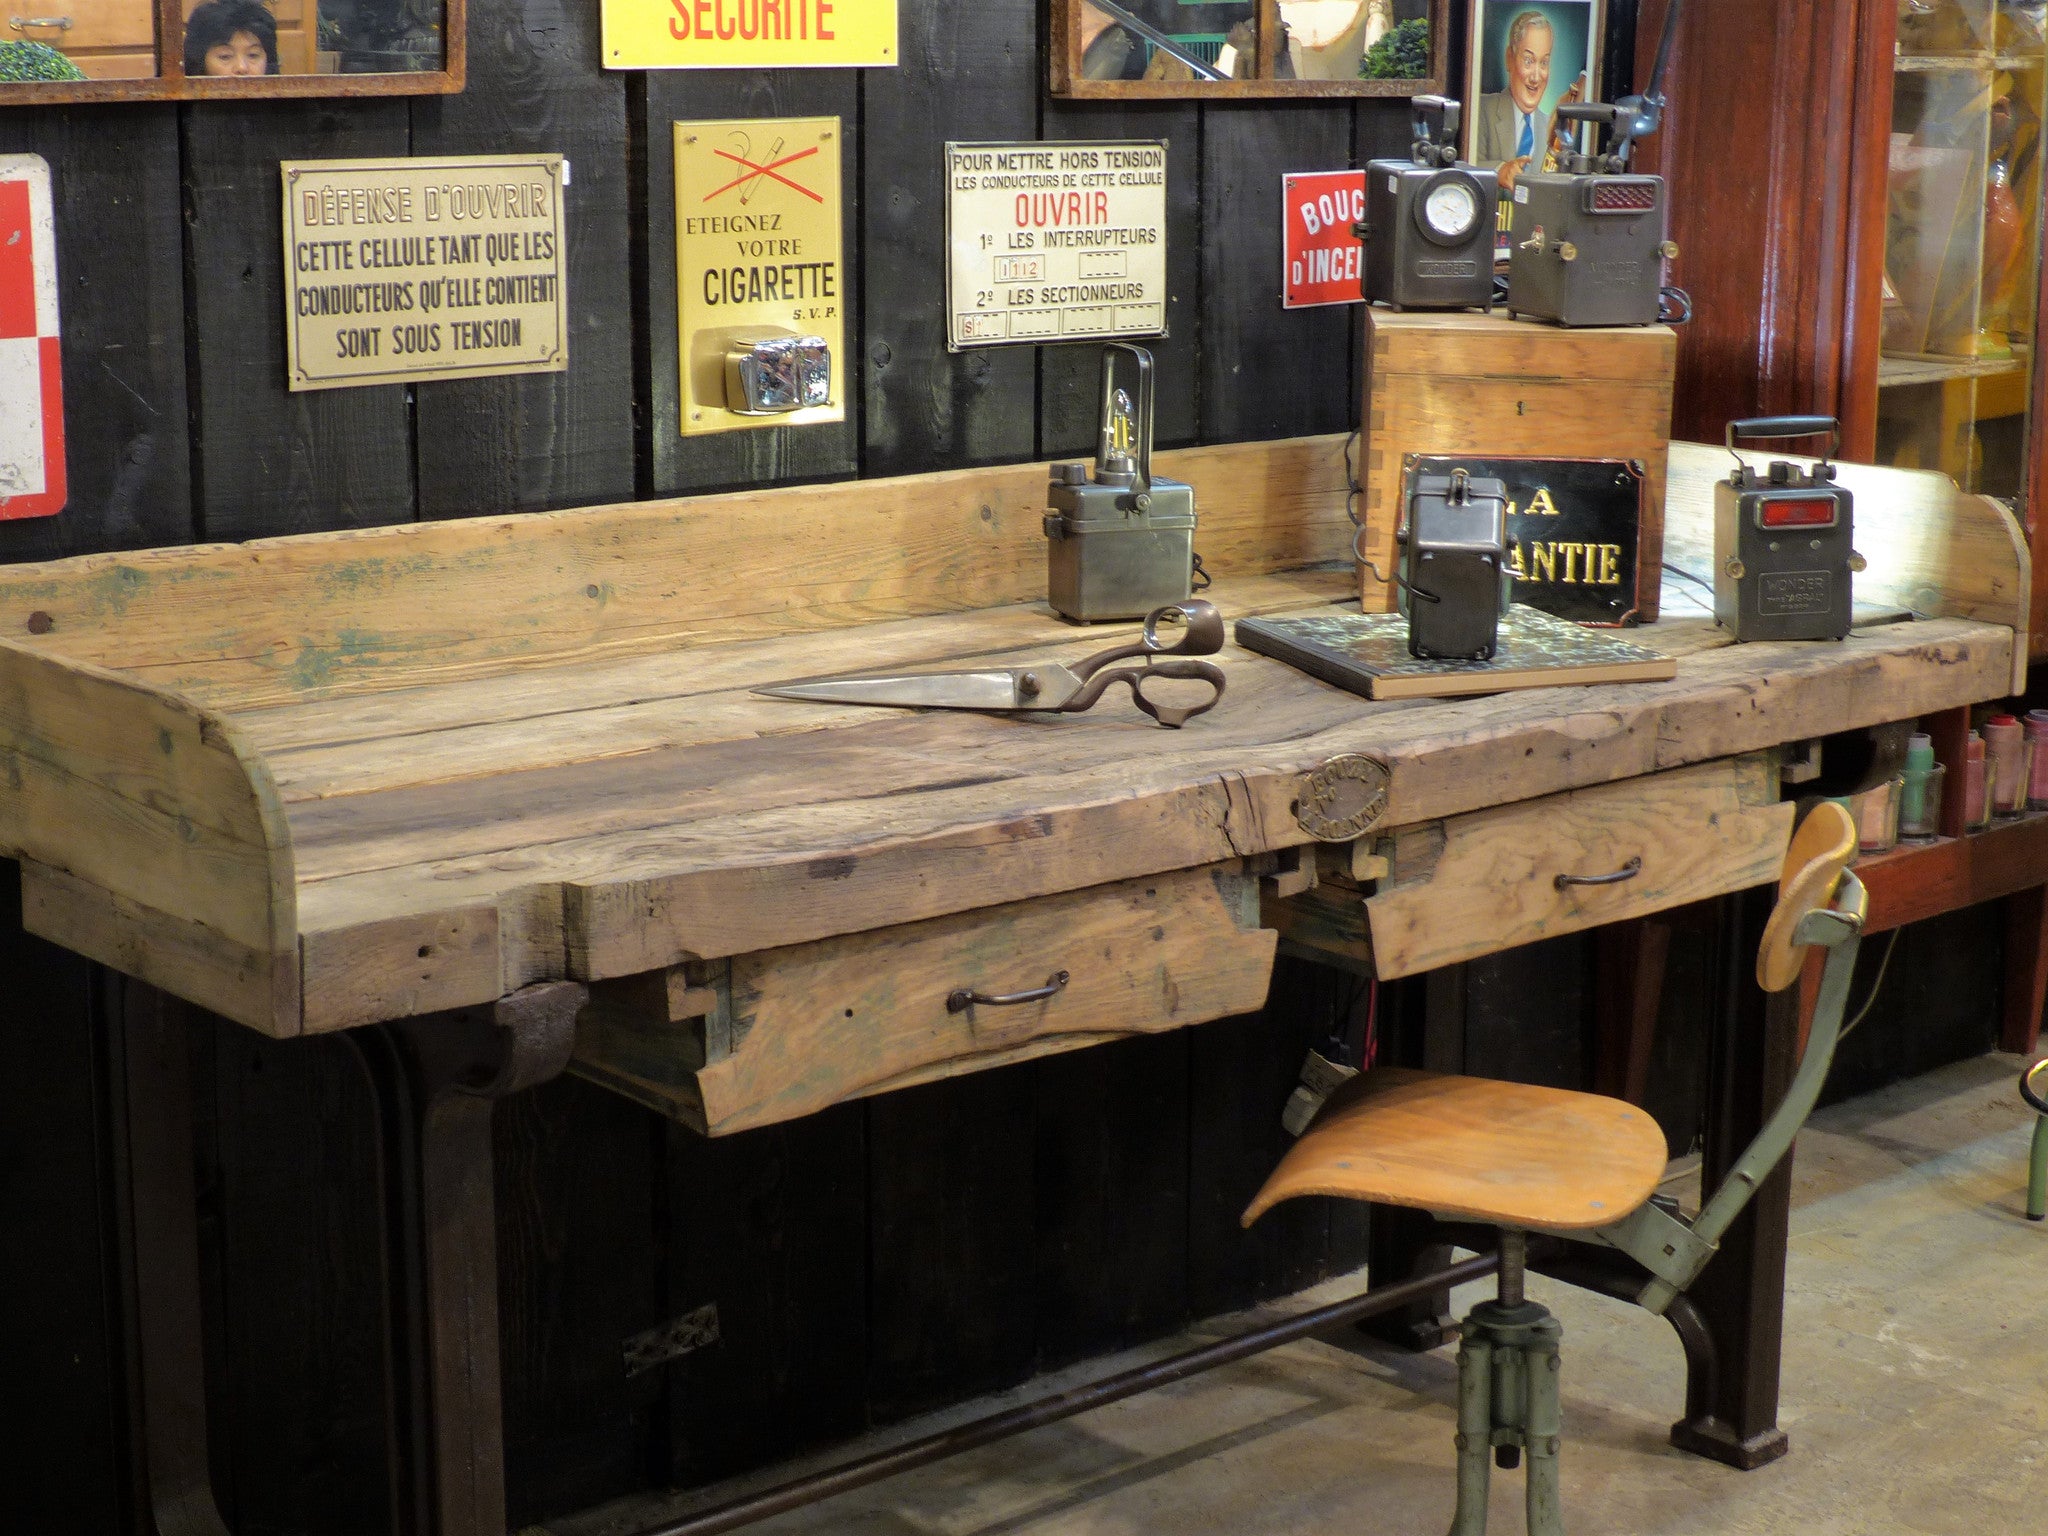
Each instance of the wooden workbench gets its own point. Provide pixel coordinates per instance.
(327, 782)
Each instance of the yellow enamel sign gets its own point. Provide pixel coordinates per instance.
(759, 252)
(403, 270)
(747, 34)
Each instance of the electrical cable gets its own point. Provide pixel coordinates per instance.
(1354, 489)
(1697, 581)
(1871, 1001)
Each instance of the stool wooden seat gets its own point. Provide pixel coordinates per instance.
(1512, 1154)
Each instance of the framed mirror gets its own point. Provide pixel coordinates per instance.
(185, 50)
(1247, 49)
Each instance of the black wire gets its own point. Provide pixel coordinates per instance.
(1688, 576)
(1202, 580)
(1883, 965)
(1351, 480)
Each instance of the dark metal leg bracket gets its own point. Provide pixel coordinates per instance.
(435, 1081)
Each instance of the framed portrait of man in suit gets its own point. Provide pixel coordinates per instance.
(1529, 57)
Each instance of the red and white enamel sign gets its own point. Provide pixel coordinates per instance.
(1323, 260)
(31, 362)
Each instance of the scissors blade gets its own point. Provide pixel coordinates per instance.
(1000, 688)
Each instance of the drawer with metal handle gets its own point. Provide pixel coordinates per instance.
(1472, 885)
(102, 24)
(773, 1035)
(1439, 892)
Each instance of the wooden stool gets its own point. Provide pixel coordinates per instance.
(1575, 1165)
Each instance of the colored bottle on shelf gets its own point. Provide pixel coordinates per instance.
(2037, 737)
(1976, 802)
(1920, 790)
(2005, 745)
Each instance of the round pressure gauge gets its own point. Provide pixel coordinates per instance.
(1448, 209)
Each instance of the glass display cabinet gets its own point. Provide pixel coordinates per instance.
(1962, 242)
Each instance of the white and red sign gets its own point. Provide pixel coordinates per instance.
(1324, 261)
(1055, 241)
(31, 362)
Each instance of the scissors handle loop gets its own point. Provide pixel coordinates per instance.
(1172, 715)
(1201, 636)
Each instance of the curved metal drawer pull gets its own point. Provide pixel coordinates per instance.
(960, 999)
(1627, 871)
(23, 23)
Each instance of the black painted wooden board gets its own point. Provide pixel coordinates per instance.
(769, 455)
(579, 1270)
(1940, 1000)
(1266, 371)
(1111, 1192)
(530, 442)
(1677, 1086)
(121, 306)
(1069, 392)
(969, 73)
(292, 1226)
(1526, 1012)
(60, 1361)
(1242, 1071)
(769, 1226)
(1381, 130)
(950, 1245)
(268, 461)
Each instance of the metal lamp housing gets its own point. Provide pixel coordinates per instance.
(1409, 262)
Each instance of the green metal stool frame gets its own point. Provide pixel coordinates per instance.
(1529, 1160)
(2037, 1155)
(1508, 1399)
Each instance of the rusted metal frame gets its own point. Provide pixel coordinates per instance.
(819, 1486)
(171, 83)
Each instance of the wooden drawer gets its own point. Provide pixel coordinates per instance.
(1477, 884)
(96, 25)
(130, 65)
(781, 1033)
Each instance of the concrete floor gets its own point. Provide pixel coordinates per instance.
(1915, 1388)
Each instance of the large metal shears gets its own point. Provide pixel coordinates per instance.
(1047, 685)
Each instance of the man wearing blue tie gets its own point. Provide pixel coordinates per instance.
(1513, 128)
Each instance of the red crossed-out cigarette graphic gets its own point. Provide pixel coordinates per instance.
(749, 180)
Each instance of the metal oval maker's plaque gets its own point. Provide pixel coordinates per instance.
(1343, 798)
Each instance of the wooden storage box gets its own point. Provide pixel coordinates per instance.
(1499, 388)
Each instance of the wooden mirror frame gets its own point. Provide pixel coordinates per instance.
(1067, 80)
(171, 83)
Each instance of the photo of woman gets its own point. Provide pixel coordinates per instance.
(229, 38)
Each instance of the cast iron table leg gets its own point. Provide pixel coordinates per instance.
(1732, 1416)
(157, 1202)
(437, 1079)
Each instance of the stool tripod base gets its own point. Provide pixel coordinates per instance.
(1508, 1404)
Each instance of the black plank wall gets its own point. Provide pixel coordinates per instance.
(867, 1263)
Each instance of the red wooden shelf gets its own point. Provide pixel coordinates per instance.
(1920, 880)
